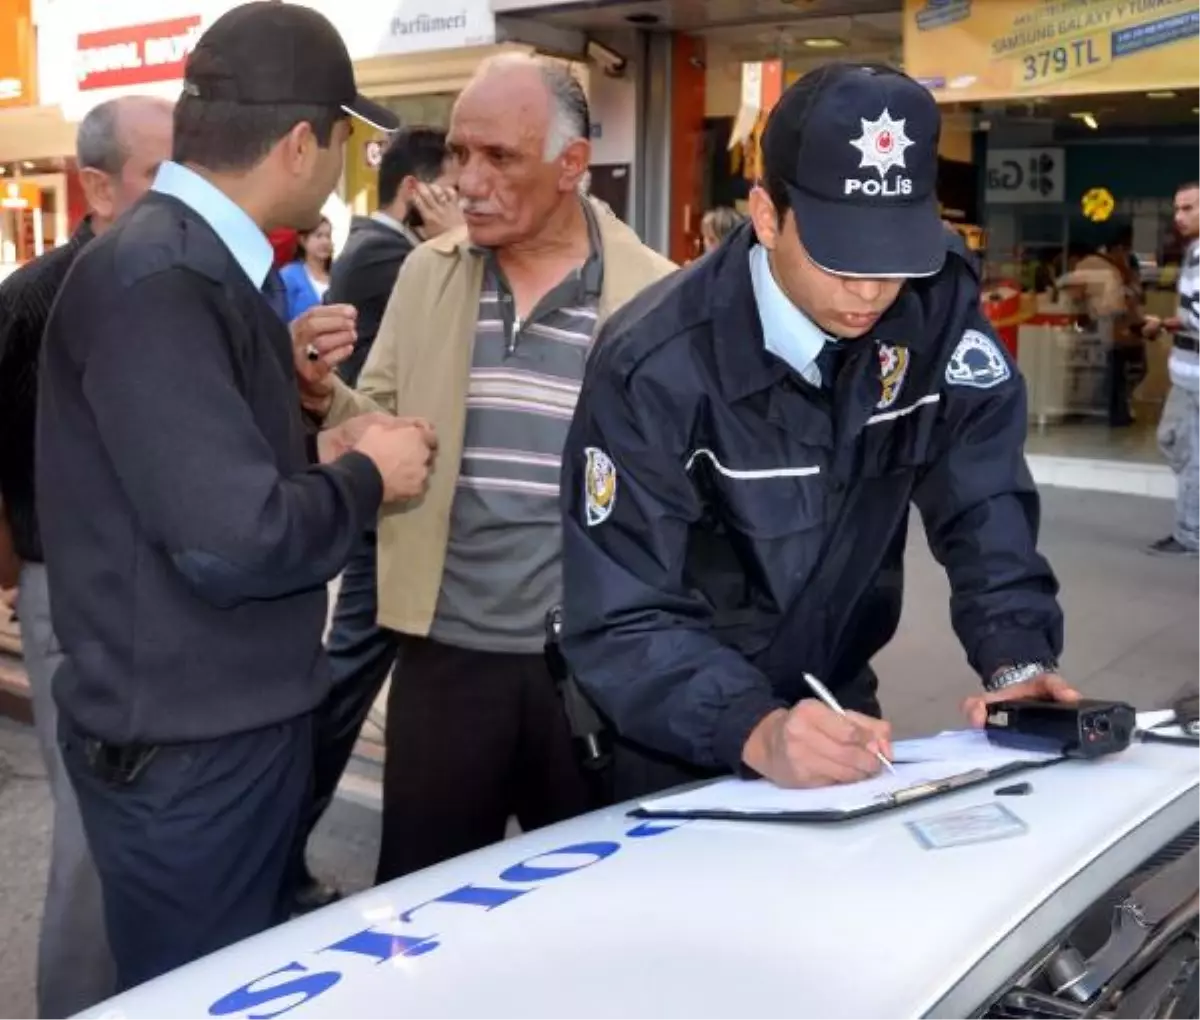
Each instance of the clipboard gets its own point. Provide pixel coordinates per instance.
(917, 793)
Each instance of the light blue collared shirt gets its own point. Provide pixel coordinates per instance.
(788, 333)
(241, 235)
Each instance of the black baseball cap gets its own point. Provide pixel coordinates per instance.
(268, 53)
(856, 147)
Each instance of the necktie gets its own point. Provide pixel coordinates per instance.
(828, 362)
(276, 294)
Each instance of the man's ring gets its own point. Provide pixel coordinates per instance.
(312, 353)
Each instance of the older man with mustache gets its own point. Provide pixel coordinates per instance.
(486, 335)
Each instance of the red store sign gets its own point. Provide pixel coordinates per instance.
(135, 54)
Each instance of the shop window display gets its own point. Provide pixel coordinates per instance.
(1070, 311)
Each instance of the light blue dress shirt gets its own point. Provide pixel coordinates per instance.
(788, 333)
(230, 222)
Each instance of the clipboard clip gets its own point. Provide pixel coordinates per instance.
(934, 786)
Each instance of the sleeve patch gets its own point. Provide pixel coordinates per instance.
(600, 486)
(978, 362)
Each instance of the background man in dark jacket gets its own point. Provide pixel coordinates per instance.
(189, 534)
(417, 201)
(119, 147)
(413, 180)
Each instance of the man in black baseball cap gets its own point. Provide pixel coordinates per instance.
(279, 54)
(191, 607)
(856, 151)
(750, 436)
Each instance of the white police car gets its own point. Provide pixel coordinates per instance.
(1089, 911)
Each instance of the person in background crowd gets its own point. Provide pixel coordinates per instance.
(306, 277)
(717, 224)
(1178, 431)
(119, 147)
(752, 432)
(283, 244)
(416, 201)
(190, 531)
(486, 335)
(1108, 292)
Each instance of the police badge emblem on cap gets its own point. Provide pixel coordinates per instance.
(856, 148)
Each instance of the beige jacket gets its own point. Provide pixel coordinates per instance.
(420, 365)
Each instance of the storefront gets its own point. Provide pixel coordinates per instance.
(1083, 122)
(415, 57)
(689, 67)
(33, 141)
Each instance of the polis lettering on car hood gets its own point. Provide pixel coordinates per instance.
(401, 934)
(597, 916)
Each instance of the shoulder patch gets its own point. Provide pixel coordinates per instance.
(977, 361)
(599, 486)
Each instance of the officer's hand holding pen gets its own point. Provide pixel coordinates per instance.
(812, 745)
(322, 338)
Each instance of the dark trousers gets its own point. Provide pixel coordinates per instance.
(1126, 369)
(472, 738)
(195, 851)
(360, 653)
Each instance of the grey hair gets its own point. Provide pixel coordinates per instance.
(570, 118)
(98, 143)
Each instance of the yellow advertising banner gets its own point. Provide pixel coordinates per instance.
(965, 50)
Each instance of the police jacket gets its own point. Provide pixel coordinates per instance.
(728, 526)
(188, 541)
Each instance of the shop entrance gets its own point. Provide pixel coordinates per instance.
(32, 217)
(1077, 198)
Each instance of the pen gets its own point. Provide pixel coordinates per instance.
(822, 692)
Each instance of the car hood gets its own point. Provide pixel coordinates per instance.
(610, 916)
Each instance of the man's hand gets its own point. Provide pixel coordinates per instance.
(340, 440)
(811, 745)
(438, 207)
(403, 452)
(1047, 687)
(322, 338)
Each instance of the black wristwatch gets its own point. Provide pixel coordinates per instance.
(1019, 673)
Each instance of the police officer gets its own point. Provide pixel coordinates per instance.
(751, 433)
(188, 537)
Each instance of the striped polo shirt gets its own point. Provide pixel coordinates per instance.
(1184, 366)
(503, 569)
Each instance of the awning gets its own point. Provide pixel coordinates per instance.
(35, 132)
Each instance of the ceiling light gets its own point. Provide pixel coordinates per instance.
(1161, 94)
(28, 165)
(1090, 121)
(820, 43)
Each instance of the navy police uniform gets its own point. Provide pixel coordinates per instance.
(188, 539)
(729, 525)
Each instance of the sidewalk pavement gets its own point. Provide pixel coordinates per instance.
(1131, 634)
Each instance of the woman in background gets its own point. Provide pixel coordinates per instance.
(307, 275)
(718, 224)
